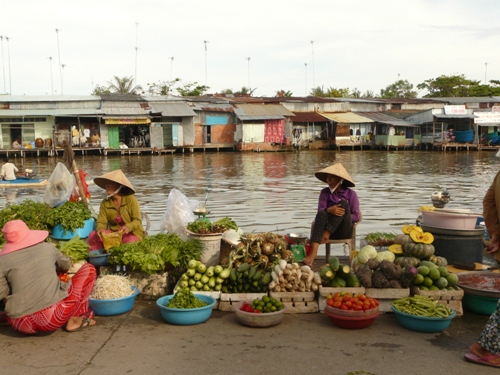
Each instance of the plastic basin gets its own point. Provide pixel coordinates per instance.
(185, 316)
(351, 319)
(117, 306)
(423, 323)
(59, 234)
(261, 320)
(98, 258)
(447, 220)
(479, 304)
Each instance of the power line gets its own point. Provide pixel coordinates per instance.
(8, 59)
(3, 66)
(248, 58)
(206, 74)
(136, 49)
(51, 78)
(312, 49)
(59, 57)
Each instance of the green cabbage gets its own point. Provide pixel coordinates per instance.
(386, 255)
(366, 253)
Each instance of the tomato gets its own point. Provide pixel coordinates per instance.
(330, 302)
(338, 299)
(257, 311)
(337, 295)
(367, 305)
(337, 304)
(329, 296)
(348, 304)
(348, 294)
(362, 297)
(359, 303)
(344, 307)
(64, 277)
(358, 307)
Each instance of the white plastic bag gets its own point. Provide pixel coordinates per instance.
(178, 215)
(59, 186)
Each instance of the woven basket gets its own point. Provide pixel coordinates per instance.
(352, 313)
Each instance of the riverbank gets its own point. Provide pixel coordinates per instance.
(140, 342)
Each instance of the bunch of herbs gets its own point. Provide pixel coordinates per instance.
(70, 216)
(153, 253)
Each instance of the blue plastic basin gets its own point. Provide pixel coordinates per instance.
(98, 258)
(480, 304)
(423, 323)
(58, 231)
(185, 316)
(117, 306)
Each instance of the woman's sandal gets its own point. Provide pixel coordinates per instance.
(484, 360)
(85, 323)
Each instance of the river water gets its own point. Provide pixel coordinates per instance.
(278, 192)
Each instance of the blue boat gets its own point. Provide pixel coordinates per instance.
(464, 136)
(23, 182)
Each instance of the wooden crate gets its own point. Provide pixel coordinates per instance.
(450, 298)
(325, 291)
(386, 296)
(228, 299)
(297, 302)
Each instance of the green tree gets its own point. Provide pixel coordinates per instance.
(100, 90)
(244, 91)
(318, 91)
(162, 87)
(368, 94)
(448, 86)
(333, 92)
(192, 89)
(124, 85)
(283, 93)
(355, 93)
(399, 89)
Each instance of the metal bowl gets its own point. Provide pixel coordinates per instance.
(297, 236)
(480, 283)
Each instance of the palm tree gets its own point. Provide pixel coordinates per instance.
(124, 86)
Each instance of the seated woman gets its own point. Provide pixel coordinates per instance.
(119, 211)
(338, 209)
(36, 300)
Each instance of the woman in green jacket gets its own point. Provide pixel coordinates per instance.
(119, 211)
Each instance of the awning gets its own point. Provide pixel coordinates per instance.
(443, 116)
(310, 117)
(346, 117)
(385, 118)
(127, 121)
(246, 112)
(175, 109)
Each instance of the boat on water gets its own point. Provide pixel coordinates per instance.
(24, 182)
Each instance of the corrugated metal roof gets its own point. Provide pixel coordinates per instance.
(346, 117)
(385, 118)
(442, 115)
(47, 98)
(261, 112)
(308, 117)
(50, 112)
(177, 109)
(212, 107)
(117, 108)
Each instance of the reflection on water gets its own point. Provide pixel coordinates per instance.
(278, 191)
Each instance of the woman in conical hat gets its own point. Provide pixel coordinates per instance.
(119, 211)
(338, 209)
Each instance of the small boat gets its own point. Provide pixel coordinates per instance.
(24, 182)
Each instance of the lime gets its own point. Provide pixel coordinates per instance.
(273, 308)
(428, 281)
(265, 299)
(419, 279)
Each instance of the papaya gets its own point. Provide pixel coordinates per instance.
(344, 271)
(352, 281)
(327, 273)
(334, 262)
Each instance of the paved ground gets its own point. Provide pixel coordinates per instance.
(140, 342)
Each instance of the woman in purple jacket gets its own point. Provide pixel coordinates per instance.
(338, 209)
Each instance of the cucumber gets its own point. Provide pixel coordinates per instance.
(243, 267)
(334, 262)
(266, 279)
(251, 272)
(257, 276)
(232, 274)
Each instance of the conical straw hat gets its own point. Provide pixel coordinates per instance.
(116, 176)
(336, 169)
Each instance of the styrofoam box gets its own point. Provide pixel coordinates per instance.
(386, 296)
(325, 291)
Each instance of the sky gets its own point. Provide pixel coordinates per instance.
(291, 45)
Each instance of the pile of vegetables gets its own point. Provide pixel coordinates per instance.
(433, 277)
(199, 277)
(369, 252)
(290, 277)
(111, 287)
(71, 216)
(75, 249)
(413, 245)
(380, 238)
(203, 226)
(264, 305)
(153, 253)
(32, 213)
(246, 279)
(350, 301)
(338, 275)
(422, 306)
(385, 274)
(185, 299)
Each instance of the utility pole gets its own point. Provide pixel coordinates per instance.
(3, 66)
(59, 57)
(206, 79)
(485, 70)
(8, 59)
(51, 78)
(171, 67)
(248, 58)
(136, 49)
(314, 75)
(306, 76)
(62, 77)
